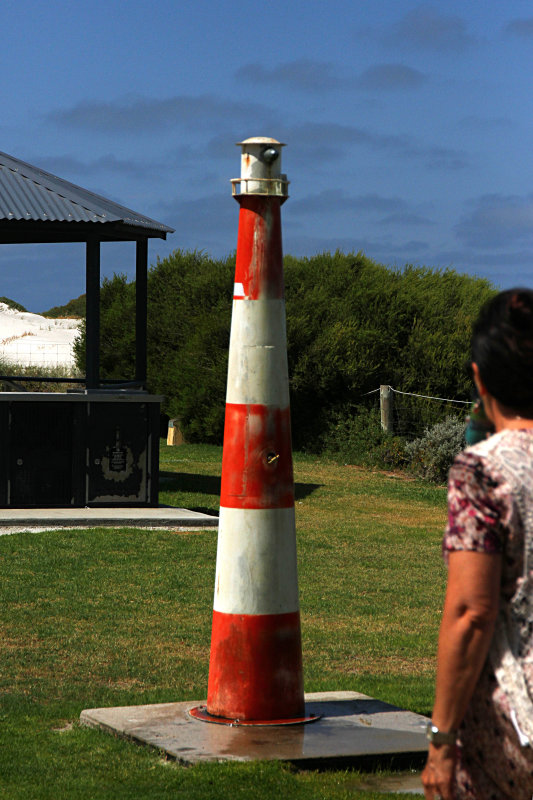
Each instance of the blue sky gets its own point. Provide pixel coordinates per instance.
(408, 126)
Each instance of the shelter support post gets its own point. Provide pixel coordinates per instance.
(92, 347)
(141, 313)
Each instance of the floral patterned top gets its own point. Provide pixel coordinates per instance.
(490, 504)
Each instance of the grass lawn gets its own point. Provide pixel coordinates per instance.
(112, 617)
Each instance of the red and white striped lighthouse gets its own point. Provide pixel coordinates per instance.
(255, 670)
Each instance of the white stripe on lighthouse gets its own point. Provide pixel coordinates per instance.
(256, 569)
(257, 369)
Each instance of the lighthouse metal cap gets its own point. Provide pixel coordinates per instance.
(261, 168)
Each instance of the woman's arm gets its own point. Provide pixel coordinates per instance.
(470, 611)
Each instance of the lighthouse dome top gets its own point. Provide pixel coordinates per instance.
(261, 140)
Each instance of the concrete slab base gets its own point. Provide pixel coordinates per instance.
(18, 519)
(353, 730)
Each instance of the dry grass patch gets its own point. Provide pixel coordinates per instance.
(392, 665)
(405, 515)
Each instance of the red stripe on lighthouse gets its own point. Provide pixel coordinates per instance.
(257, 458)
(259, 674)
(259, 264)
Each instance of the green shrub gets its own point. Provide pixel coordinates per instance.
(12, 304)
(431, 456)
(34, 371)
(201, 378)
(356, 437)
(74, 308)
(389, 454)
(352, 434)
(190, 299)
(352, 325)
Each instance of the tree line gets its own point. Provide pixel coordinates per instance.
(352, 324)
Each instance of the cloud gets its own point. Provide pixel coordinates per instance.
(144, 114)
(319, 142)
(209, 222)
(326, 141)
(335, 199)
(329, 141)
(438, 157)
(42, 275)
(497, 221)
(324, 76)
(520, 27)
(503, 268)
(391, 77)
(484, 124)
(405, 218)
(501, 260)
(69, 165)
(384, 252)
(303, 74)
(427, 28)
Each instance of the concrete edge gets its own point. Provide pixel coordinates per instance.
(56, 524)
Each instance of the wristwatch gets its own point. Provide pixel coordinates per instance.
(435, 736)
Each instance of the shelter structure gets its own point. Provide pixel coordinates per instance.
(98, 445)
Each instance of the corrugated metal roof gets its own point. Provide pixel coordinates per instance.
(30, 194)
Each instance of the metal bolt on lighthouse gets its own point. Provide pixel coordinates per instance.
(255, 668)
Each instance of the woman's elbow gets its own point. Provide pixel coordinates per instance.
(480, 616)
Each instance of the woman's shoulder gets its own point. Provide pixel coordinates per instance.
(478, 460)
(508, 453)
(492, 444)
(480, 500)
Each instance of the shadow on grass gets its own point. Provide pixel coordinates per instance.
(210, 484)
(189, 482)
(302, 490)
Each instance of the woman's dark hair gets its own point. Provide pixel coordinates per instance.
(502, 347)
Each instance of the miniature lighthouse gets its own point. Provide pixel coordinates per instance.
(255, 670)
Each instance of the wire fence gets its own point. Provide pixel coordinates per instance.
(411, 414)
(33, 354)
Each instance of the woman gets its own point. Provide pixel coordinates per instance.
(481, 732)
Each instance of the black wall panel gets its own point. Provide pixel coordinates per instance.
(78, 452)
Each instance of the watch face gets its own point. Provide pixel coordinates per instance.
(439, 737)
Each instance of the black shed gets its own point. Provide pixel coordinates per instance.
(98, 445)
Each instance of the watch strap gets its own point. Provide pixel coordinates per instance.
(435, 736)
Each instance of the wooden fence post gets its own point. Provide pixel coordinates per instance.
(385, 405)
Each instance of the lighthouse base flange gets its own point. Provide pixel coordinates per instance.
(201, 713)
